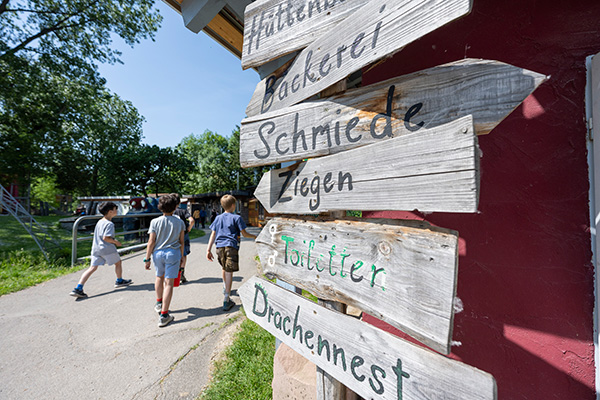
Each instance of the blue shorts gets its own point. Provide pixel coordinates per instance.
(166, 262)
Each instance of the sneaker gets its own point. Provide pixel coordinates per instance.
(164, 321)
(183, 278)
(228, 305)
(123, 282)
(158, 307)
(78, 293)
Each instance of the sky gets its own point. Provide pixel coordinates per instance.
(181, 83)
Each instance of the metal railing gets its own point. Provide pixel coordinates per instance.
(75, 240)
(40, 235)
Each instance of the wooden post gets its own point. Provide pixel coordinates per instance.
(327, 387)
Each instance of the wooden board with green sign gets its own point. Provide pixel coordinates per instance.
(403, 273)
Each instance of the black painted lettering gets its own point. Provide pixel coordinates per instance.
(349, 126)
(328, 4)
(294, 86)
(323, 130)
(269, 92)
(315, 189)
(307, 74)
(290, 17)
(303, 187)
(376, 35)
(326, 180)
(355, 45)
(297, 135)
(288, 175)
(412, 111)
(283, 90)
(340, 50)
(342, 179)
(271, 127)
(271, 312)
(279, 151)
(387, 131)
(355, 267)
(299, 14)
(322, 65)
(313, 4)
(279, 13)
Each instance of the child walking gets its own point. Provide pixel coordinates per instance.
(104, 249)
(165, 246)
(226, 230)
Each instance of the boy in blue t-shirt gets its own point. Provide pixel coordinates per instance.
(226, 230)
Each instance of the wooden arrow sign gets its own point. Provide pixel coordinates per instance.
(376, 30)
(274, 28)
(402, 273)
(488, 90)
(371, 362)
(430, 170)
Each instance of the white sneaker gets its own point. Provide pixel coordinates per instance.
(164, 321)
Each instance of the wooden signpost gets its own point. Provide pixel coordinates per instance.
(488, 90)
(376, 30)
(371, 362)
(274, 28)
(398, 272)
(430, 170)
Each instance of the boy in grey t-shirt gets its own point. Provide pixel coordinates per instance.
(104, 249)
(165, 246)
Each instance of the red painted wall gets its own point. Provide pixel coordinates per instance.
(525, 272)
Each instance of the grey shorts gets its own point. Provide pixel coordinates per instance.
(109, 259)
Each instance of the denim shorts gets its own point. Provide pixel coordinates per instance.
(166, 262)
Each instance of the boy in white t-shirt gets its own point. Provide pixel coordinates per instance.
(104, 249)
(165, 246)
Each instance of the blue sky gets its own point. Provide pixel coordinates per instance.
(181, 83)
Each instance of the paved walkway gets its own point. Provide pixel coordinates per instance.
(109, 346)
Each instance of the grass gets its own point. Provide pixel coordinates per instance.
(22, 264)
(246, 370)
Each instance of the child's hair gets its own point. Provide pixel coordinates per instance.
(176, 195)
(106, 206)
(227, 201)
(167, 203)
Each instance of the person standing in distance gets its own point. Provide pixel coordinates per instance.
(226, 230)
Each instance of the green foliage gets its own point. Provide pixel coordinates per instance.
(216, 163)
(44, 189)
(20, 269)
(246, 371)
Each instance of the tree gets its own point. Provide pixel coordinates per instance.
(50, 90)
(216, 163)
(147, 169)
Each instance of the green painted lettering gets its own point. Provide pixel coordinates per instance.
(259, 289)
(331, 254)
(287, 241)
(374, 369)
(309, 335)
(357, 361)
(286, 331)
(337, 351)
(400, 374)
(322, 343)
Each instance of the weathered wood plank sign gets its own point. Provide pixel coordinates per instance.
(371, 362)
(274, 28)
(433, 169)
(488, 90)
(399, 273)
(378, 29)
